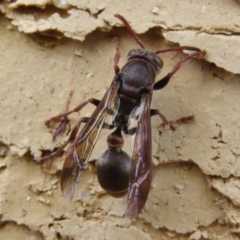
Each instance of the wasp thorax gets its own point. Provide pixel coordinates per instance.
(113, 171)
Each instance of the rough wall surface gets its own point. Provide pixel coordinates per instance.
(55, 52)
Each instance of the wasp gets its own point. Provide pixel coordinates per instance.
(128, 98)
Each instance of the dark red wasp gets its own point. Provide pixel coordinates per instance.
(127, 99)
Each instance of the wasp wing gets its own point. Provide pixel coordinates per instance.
(81, 149)
(141, 175)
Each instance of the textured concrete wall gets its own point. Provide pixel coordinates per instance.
(55, 52)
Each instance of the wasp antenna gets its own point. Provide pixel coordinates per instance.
(178, 49)
(130, 30)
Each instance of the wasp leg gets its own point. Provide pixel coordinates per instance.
(76, 109)
(71, 138)
(171, 123)
(63, 117)
(164, 81)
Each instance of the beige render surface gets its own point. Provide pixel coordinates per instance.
(52, 48)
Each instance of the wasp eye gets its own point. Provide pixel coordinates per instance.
(158, 61)
(132, 53)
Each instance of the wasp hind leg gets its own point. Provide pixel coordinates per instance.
(71, 139)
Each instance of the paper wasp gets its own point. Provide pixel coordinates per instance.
(128, 98)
